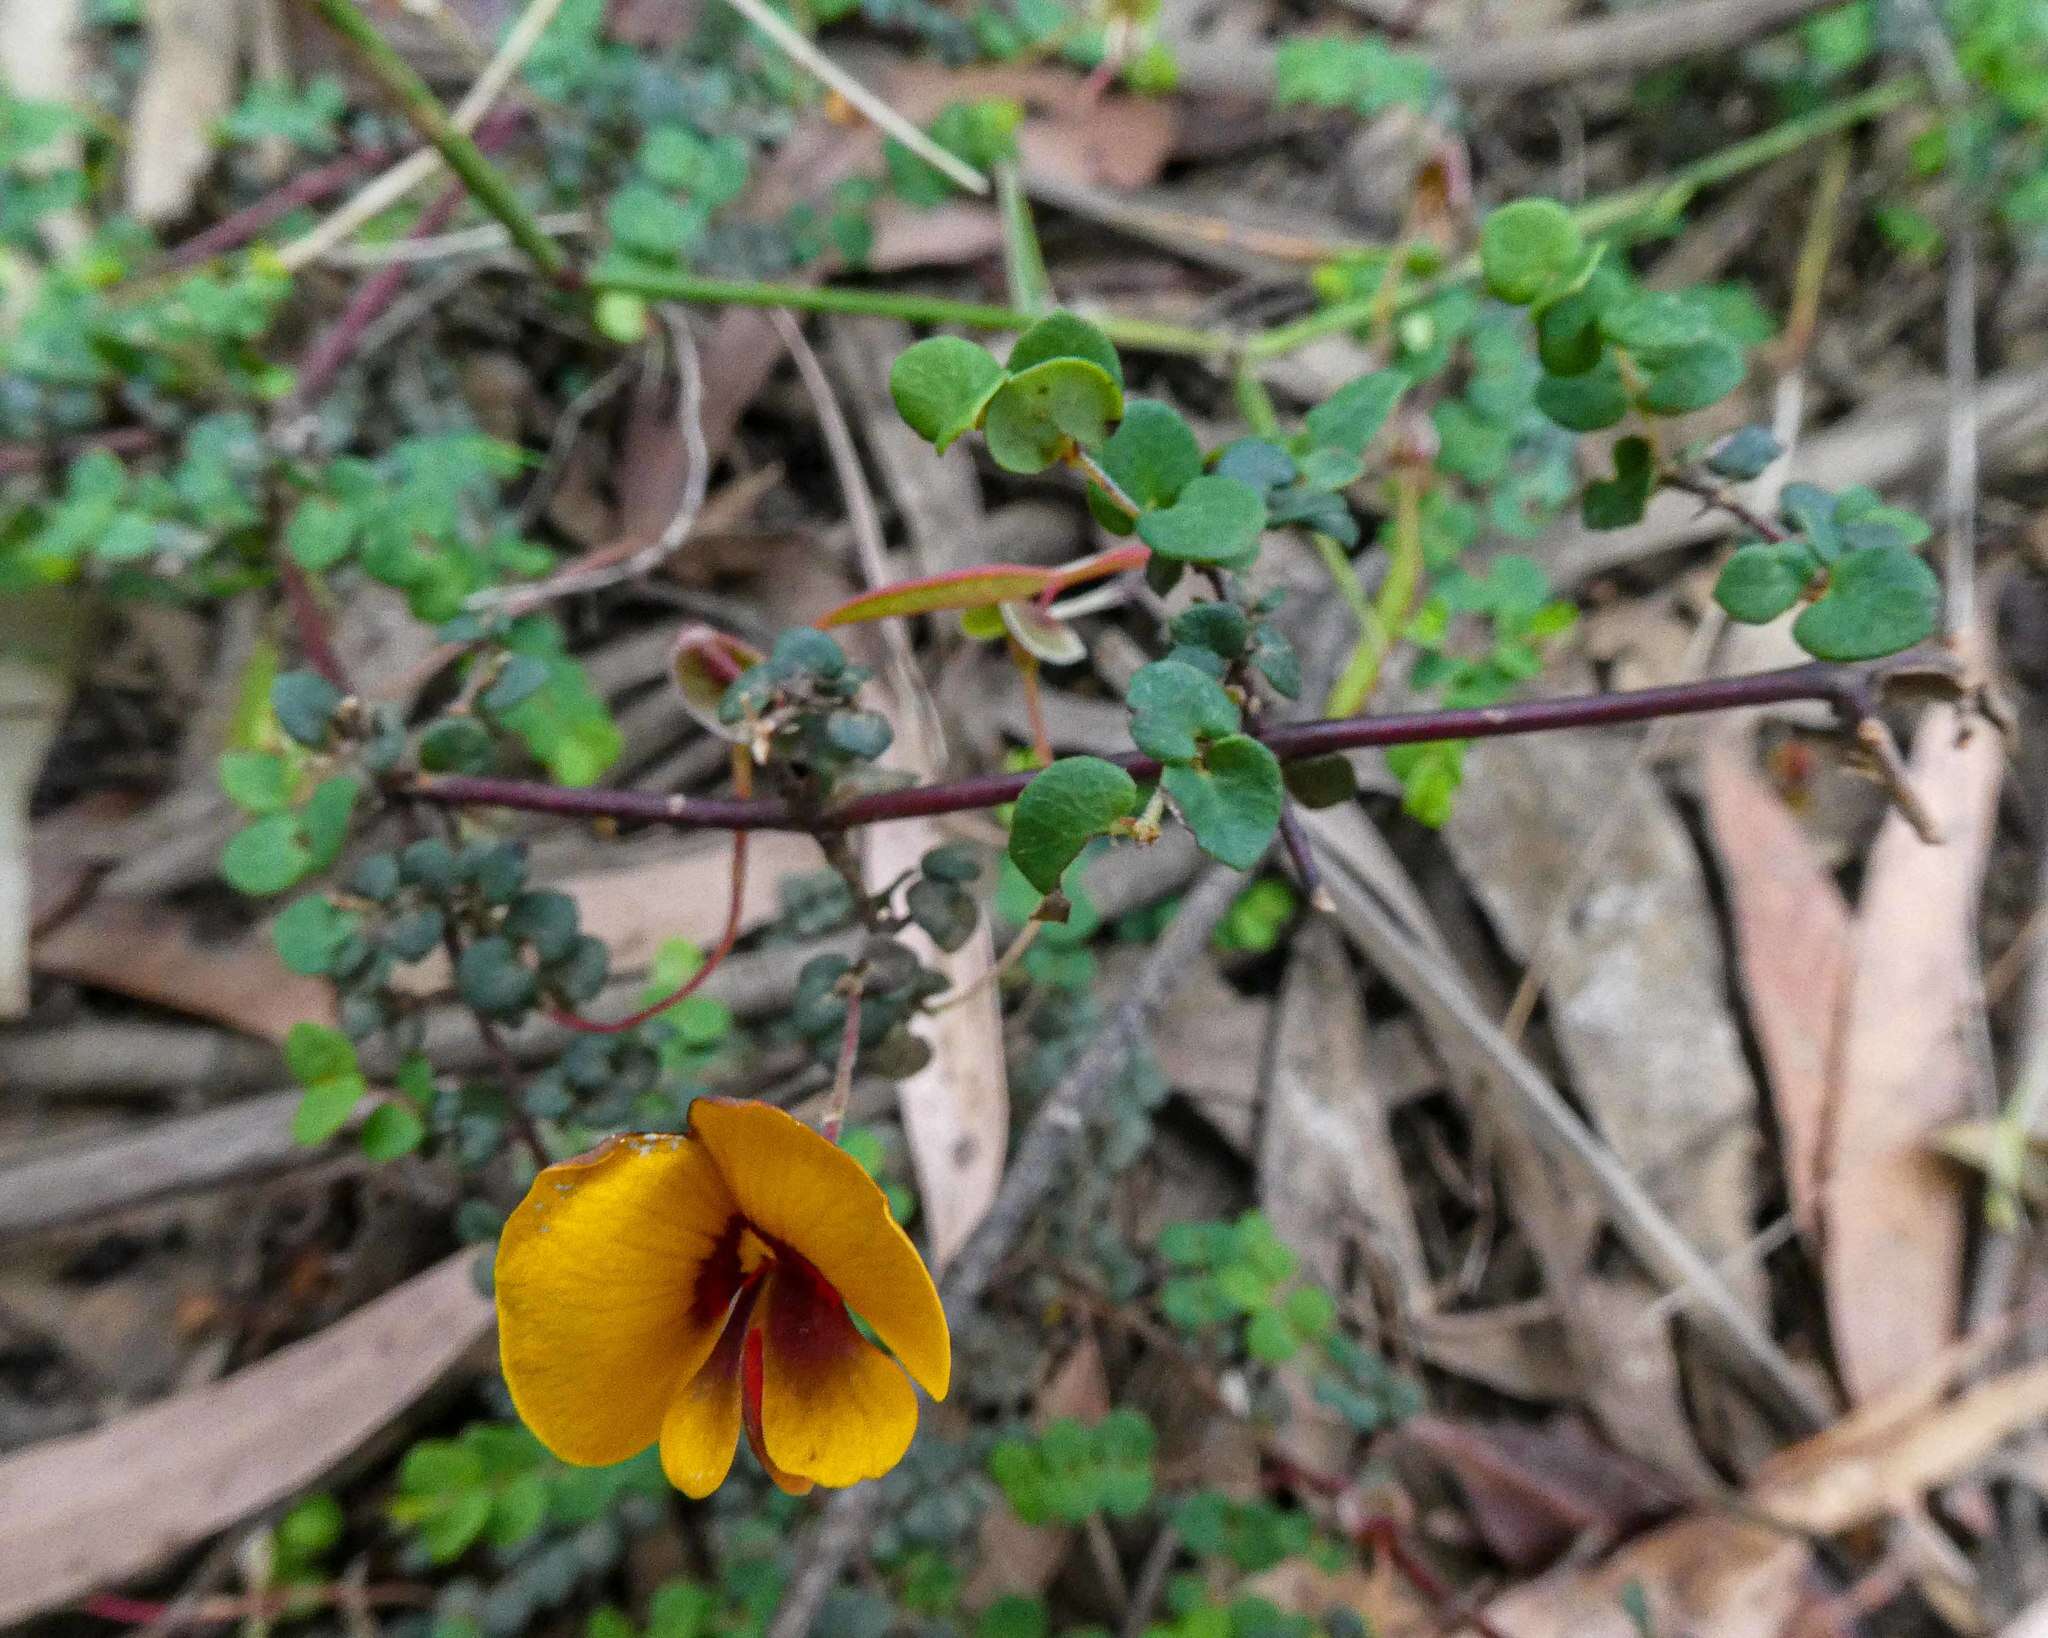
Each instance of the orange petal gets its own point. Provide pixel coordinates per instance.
(702, 1428)
(834, 1408)
(813, 1197)
(612, 1289)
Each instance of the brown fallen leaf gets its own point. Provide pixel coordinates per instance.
(107, 1506)
(1792, 939)
(1633, 979)
(1535, 1490)
(1720, 1575)
(1892, 1245)
(138, 948)
(42, 635)
(1706, 1577)
(50, 1185)
(188, 87)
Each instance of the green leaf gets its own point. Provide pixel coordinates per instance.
(326, 818)
(1270, 1338)
(491, 977)
(268, 856)
(323, 1061)
(457, 745)
(1366, 76)
(1321, 781)
(1351, 417)
(310, 934)
(1062, 335)
(566, 723)
(1310, 1310)
(1693, 377)
(1216, 520)
(1527, 248)
(256, 781)
(1014, 1617)
(1036, 415)
(1617, 502)
(1232, 801)
(1652, 321)
(1070, 803)
(1568, 337)
(942, 385)
(548, 921)
(519, 679)
(1222, 629)
(1152, 455)
(305, 703)
(1430, 775)
(945, 913)
(393, 1129)
(1744, 454)
(1257, 462)
(1761, 582)
(1864, 520)
(320, 533)
(1175, 708)
(1591, 402)
(1879, 600)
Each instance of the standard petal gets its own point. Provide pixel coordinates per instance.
(611, 1290)
(702, 1428)
(811, 1195)
(834, 1408)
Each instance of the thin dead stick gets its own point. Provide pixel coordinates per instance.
(905, 682)
(1458, 1020)
(484, 239)
(1959, 490)
(604, 569)
(1042, 1158)
(842, 1070)
(801, 51)
(563, 441)
(993, 972)
(384, 191)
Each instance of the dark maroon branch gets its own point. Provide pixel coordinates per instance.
(1851, 689)
(252, 221)
(1743, 513)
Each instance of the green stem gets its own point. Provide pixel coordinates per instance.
(1141, 335)
(1254, 403)
(1030, 285)
(1651, 204)
(1382, 624)
(486, 184)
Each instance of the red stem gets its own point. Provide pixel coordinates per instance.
(1846, 687)
(336, 345)
(119, 440)
(590, 1026)
(309, 620)
(253, 220)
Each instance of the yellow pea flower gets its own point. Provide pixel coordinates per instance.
(681, 1288)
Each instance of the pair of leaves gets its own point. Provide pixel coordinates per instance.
(1877, 594)
(283, 848)
(1061, 388)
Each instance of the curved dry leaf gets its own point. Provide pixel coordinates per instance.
(104, 1507)
(1792, 942)
(1893, 1220)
